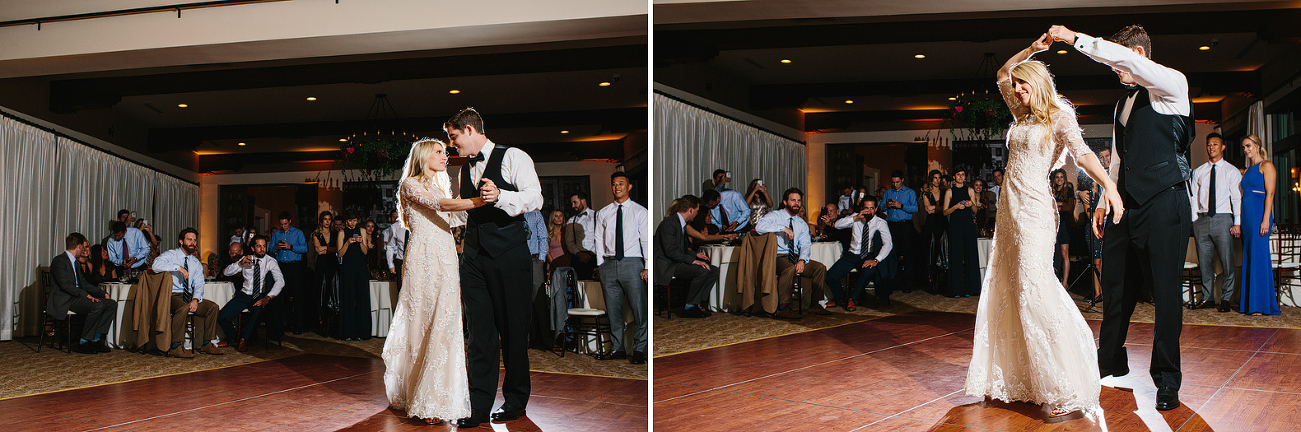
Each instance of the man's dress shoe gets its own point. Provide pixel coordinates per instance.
(1167, 399)
(87, 348)
(637, 358)
(616, 355)
(469, 422)
(507, 414)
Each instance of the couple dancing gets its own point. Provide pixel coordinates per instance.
(1031, 343)
(425, 354)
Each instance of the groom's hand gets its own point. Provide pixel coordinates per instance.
(488, 191)
(1061, 33)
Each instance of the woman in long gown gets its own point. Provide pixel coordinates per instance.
(424, 356)
(354, 281)
(1258, 296)
(1031, 343)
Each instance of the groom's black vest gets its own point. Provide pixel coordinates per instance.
(1153, 148)
(488, 228)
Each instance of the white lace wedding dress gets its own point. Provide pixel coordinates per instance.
(1031, 343)
(424, 355)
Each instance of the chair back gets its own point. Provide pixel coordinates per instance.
(45, 290)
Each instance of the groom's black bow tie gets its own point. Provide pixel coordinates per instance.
(1133, 89)
(476, 158)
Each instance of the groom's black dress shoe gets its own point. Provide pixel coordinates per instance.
(1167, 399)
(507, 414)
(1113, 372)
(469, 422)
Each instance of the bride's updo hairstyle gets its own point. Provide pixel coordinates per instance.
(1044, 100)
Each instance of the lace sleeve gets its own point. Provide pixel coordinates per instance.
(413, 192)
(1009, 97)
(1067, 133)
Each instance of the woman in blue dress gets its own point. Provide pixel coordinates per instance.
(1258, 296)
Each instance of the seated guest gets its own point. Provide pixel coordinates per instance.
(71, 291)
(101, 269)
(727, 210)
(621, 259)
(870, 244)
(674, 258)
(234, 253)
(258, 271)
(827, 227)
(187, 296)
(127, 247)
(793, 255)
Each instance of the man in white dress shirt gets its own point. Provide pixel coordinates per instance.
(622, 242)
(869, 245)
(497, 297)
(395, 246)
(187, 296)
(793, 251)
(1217, 202)
(258, 270)
(580, 239)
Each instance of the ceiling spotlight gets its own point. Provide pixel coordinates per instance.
(564, 131)
(1204, 47)
(787, 61)
(604, 84)
(849, 101)
(343, 140)
(1061, 51)
(454, 91)
(920, 56)
(311, 98)
(182, 106)
(241, 144)
(952, 98)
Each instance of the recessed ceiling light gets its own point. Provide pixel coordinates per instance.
(849, 101)
(1061, 51)
(1204, 47)
(343, 140)
(920, 56)
(454, 91)
(564, 131)
(787, 61)
(241, 144)
(182, 106)
(311, 98)
(953, 98)
(604, 84)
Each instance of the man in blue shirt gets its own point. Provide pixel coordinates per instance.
(133, 240)
(538, 246)
(793, 247)
(187, 296)
(727, 210)
(900, 204)
(290, 245)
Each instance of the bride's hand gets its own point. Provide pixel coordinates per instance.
(1042, 43)
(1114, 203)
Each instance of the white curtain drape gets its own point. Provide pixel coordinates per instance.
(54, 186)
(690, 143)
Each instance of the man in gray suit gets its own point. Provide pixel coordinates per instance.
(70, 291)
(673, 258)
(1216, 200)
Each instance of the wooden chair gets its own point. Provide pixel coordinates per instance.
(1285, 246)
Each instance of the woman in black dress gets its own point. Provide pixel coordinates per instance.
(964, 264)
(354, 281)
(933, 196)
(1064, 194)
(99, 272)
(327, 267)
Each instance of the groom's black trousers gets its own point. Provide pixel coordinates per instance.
(498, 299)
(1145, 249)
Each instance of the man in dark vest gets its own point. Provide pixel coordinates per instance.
(1153, 130)
(495, 287)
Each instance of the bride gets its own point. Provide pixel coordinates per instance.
(1031, 343)
(424, 356)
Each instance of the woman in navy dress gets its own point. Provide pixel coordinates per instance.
(1258, 296)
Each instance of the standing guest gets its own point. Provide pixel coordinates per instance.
(580, 237)
(728, 211)
(1064, 194)
(187, 296)
(538, 247)
(760, 202)
(721, 179)
(153, 239)
(354, 281)
(556, 256)
(900, 205)
(675, 259)
(395, 246)
(324, 242)
(997, 187)
(964, 265)
(1092, 200)
(290, 245)
(793, 252)
(984, 201)
(71, 291)
(258, 271)
(373, 257)
(933, 196)
(868, 250)
(100, 270)
(1258, 180)
(127, 247)
(1216, 198)
(621, 255)
(846, 201)
(238, 237)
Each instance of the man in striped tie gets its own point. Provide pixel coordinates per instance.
(187, 296)
(263, 281)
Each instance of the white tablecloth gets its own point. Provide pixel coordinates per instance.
(121, 330)
(724, 297)
(383, 295)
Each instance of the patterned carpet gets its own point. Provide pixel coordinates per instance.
(27, 372)
(682, 334)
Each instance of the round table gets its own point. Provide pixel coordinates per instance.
(217, 291)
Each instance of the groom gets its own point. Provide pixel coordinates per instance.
(1153, 131)
(495, 290)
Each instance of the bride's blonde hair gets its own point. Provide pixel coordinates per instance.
(1044, 100)
(414, 167)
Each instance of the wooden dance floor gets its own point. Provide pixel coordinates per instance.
(306, 393)
(906, 372)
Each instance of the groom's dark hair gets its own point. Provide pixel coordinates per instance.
(1133, 36)
(467, 116)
